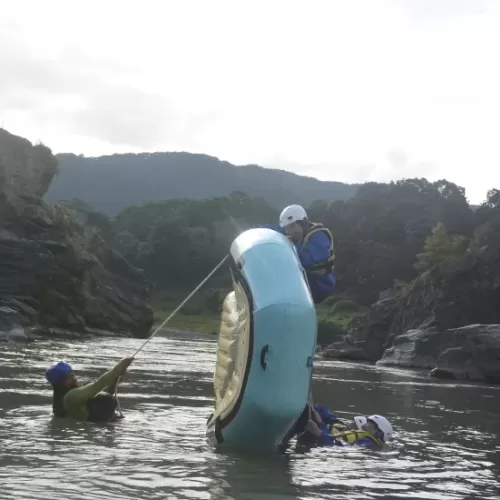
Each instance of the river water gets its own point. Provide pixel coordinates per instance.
(447, 444)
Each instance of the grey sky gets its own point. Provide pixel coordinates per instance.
(343, 90)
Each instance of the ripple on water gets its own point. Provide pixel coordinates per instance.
(446, 447)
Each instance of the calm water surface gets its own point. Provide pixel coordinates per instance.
(447, 444)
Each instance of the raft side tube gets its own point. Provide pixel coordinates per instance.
(268, 330)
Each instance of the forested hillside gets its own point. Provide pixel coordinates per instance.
(110, 183)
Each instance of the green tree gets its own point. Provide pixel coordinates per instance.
(493, 198)
(438, 247)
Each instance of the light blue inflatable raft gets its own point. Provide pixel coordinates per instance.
(266, 344)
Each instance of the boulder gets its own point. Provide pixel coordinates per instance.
(414, 349)
(471, 352)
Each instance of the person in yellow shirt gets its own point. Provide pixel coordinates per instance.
(92, 402)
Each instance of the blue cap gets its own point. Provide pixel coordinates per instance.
(56, 372)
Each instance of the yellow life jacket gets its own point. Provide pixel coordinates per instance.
(327, 266)
(337, 426)
(351, 436)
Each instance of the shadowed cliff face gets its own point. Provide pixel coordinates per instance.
(54, 272)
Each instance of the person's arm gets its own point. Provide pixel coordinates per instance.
(80, 395)
(316, 250)
(326, 415)
(321, 433)
(110, 389)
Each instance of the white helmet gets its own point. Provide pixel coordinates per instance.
(360, 421)
(291, 214)
(384, 425)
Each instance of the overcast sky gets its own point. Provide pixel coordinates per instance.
(343, 90)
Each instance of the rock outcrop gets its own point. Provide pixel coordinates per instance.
(55, 273)
(447, 321)
(414, 349)
(470, 353)
(368, 334)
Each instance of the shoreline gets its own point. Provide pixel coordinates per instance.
(198, 321)
(193, 323)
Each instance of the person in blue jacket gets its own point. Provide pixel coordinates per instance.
(326, 429)
(318, 426)
(315, 248)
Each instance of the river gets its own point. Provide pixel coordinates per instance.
(447, 443)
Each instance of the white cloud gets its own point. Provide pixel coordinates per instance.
(326, 88)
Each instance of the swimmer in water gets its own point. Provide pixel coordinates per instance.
(92, 402)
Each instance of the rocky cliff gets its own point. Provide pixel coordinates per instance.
(447, 321)
(56, 274)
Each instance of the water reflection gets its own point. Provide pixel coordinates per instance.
(447, 434)
(253, 477)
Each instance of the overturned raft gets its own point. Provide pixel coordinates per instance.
(266, 344)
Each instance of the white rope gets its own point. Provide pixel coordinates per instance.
(172, 314)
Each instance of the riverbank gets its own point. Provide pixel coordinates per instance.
(334, 320)
(198, 316)
(197, 323)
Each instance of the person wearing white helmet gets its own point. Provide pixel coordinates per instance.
(315, 248)
(378, 423)
(326, 429)
(318, 426)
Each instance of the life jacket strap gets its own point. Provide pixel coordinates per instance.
(351, 436)
(327, 266)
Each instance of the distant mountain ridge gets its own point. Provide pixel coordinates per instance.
(111, 183)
